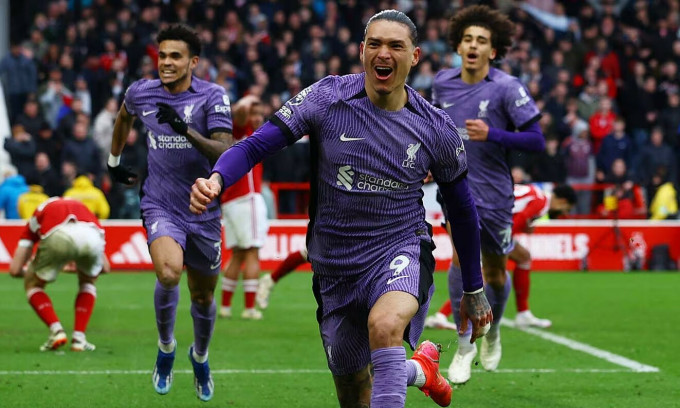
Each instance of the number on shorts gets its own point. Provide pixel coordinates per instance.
(398, 264)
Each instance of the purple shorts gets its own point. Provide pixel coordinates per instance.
(344, 303)
(201, 241)
(496, 233)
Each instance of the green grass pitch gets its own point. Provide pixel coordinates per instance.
(279, 362)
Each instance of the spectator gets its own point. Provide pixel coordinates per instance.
(19, 77)
(46, 176)
(83, 151)
(616, 145)
(550, 165)
(84, 191)
(655, 154)
(21, 148)
(30, 118)
(669, 120)
(601, 122)
(103, 126)
(48, 144)
(11, 188)
(29, 201)
(69, 172)
(68, 120)
(625, 199)
(664, 203)
(52, 97)
(580, 162)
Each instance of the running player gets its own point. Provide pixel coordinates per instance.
(483, 102)
(181, 147)
(531, 203)
(373, 140)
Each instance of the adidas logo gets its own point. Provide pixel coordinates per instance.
(133, 251)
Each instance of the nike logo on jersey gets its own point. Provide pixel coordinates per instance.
(446, 105)
(344, 138)
(147, 113)
(391, 280)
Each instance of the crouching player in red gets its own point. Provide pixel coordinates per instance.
(65, 231)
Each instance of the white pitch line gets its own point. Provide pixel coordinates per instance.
(297, 371)
(586, 348)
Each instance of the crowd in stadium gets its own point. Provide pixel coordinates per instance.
(604, 74)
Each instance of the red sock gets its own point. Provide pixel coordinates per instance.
(84, 306)
(42, 304)
(521, 283)
(446, 308)
(288, 265)
(250, 290)
(228, 288)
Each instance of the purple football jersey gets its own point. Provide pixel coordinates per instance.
(174, 163)
(502, 102)
(369, 169)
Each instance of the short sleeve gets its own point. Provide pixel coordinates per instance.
(307, 109)
(218, 115)
(519, 105)
(450, 161)
(130, 98)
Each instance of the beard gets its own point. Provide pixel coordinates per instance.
(176, 82)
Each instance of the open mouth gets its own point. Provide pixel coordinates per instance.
(472, 57)
(383, 73)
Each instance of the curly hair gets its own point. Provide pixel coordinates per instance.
(180, 32)
(500, 26)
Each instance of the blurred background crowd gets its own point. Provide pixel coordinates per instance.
(604, 73)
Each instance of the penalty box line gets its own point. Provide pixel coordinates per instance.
(622, 361)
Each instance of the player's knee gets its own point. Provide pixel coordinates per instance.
(168, 276)
(202, 298)
(495, 277)
(383, 330)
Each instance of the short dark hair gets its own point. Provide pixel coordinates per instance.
(398, 17)
(565, 191)
(502, 29)
(180, 32)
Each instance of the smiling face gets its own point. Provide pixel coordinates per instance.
(175, 65)
(387, 54)
(476, 50)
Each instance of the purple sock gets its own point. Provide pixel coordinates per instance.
(456, 293)
(165, 302)
(389, 380)
(411, 373)
(204, 321)
(498, 298)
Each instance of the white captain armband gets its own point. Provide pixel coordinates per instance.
(475, 292)
(25, 243)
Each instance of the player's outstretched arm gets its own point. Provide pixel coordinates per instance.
(203, 192)
(121, 130)
(211, 147)
(462, 213)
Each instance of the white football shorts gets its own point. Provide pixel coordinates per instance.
(245, 222)
(82, 243)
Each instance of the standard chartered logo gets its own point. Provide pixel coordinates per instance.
(346, 177)
(168, 141)
(345, 174)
